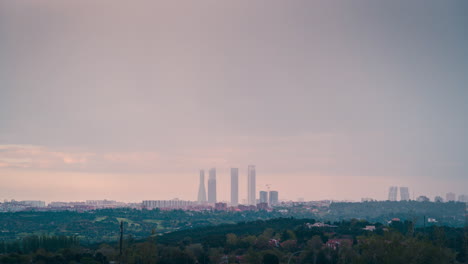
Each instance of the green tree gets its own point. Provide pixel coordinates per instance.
(270, 258)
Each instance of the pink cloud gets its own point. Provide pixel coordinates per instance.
(29, 156)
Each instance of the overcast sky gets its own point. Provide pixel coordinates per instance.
(329, 99)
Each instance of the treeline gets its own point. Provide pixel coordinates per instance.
(297, 240)
(283, 240)
(30, 244)
(103, 225)
(448, 214)
(212, 236)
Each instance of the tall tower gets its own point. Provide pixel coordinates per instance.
(392, 193)
(201, 190)
(404, 194)
(251, 198)
(234, 186)
(212, 186)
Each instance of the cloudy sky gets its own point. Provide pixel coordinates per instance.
(329, 99)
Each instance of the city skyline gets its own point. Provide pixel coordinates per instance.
(268, 196)
(381, 194)
(330, 100)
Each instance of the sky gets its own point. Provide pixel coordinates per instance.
(329, 99)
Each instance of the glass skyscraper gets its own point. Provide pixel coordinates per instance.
(234, 186)
(392, 193)
(201, 189)
(263, 197)
(273, 198)
(404, 194)
(251, 197)
(212, 186)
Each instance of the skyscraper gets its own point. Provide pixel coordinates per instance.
(263, 197)
(201, 190)
(393, 193)
(404, 194)
(234, 186)
(450, 197)
(463, 198)
(273, 198)
(212, 186)
(251, 197)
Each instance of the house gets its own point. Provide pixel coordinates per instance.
(274, 242)
(337, 243)
(369, 228)
(318, 224)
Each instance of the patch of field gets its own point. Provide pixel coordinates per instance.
(153, 221)
(98, 219)
(126, 220)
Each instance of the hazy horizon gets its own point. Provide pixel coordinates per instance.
(330, 100)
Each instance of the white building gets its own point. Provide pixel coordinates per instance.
(167, 204)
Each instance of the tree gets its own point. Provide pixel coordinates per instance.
(270, 258)
(231, 240)
(253, 257)
(313, 247)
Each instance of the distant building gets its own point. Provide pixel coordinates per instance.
(438, 199)
(450, 197)
(263, 197)
(167, 204)
(422, 198)
(201, 189)
(335, 244)
(463, 198)
(392, 193)
(212, 186)
(404, 194)
(319, 224)
(99, 204)
(262, 206)
(234, 186)
(34, 203)
(273, 198)
(221, 206)
(247, 207)
(251, 182)
(367, 199)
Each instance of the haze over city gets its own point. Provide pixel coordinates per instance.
(126, 101)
